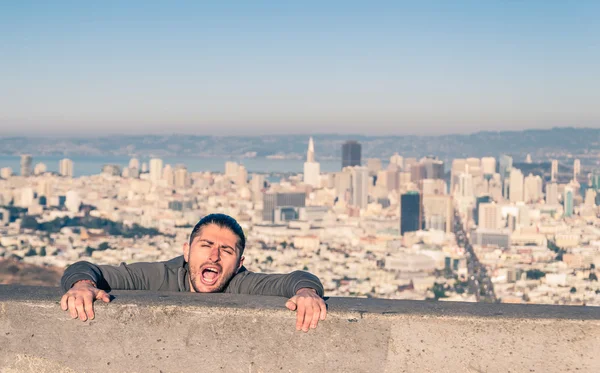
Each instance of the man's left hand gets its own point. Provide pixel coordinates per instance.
(309, 307)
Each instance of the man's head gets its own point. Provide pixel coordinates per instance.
(214, 253)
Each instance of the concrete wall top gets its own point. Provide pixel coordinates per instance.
(185, 332)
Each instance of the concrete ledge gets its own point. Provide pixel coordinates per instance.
(181, 332)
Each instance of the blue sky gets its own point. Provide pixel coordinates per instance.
(253, 67)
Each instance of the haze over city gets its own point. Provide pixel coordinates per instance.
(274, 68)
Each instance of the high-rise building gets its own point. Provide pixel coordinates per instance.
(26, 165)
(433, 187)
(351, 154)
(73, 201)
(182, 177)
(433, 168)
(374, 166)
(312, 169)
(568, 201)
(552, 194)
(65, 167)
(39, 168)
(490, 216)
(274, 201)
(595, 182)
(533, 186)
(156, 169)
(134, 163)
(360, 186)
(257, 185)
(410, 212)
(554, 170)
(231, 169)
(590, 197)
(343, 184)
(505, 166)
(397, 160)
(241, 179)
(465, 185)
(516, 183)
(576, 169)
(168, 175)
(438, 212)
(459, 166)
(488, 165)
(6, 172)
(528, 159)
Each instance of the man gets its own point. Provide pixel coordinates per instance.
(212, 262)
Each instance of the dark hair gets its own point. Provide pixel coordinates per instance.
(223, 221)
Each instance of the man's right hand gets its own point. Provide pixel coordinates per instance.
(79, 300)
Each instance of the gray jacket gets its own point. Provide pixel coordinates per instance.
(173, 275)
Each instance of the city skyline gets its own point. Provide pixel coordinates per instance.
(394, 68)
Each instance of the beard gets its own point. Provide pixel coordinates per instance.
(218, 287)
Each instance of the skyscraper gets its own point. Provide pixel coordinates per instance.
(576, 169)
(506, 163)
(532, 188)
(26, 165)
(312, 169)
(351, 154)
(65, 167)
(490, 216)
(552, 194)
(438, 212)
(410, 212)
(554, 170)
(156, 169)
(568, 202)
(516, 182)
(182, 177)
(488, 165)
(360, 186)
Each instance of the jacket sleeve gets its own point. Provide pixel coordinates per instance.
(281, 285)
(135, 276)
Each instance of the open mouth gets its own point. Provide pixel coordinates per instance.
(210, 275)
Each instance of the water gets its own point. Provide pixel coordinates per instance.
(91, 165)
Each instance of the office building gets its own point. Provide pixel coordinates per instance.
(516, 185)
(490, 216)
(26, 161)
(284, 203)
(533, 189)
(554, 170)
(438, 212)
(351, 154)
(360, 186)
(65, 167)
(312, 169)
(156, 170)
(552, 194)
(568, 202)
(576, 169)
(410, 212)
(488, 165)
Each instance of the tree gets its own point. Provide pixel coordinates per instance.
(535, 274)
(573, 290)
(593, 277)
(30, 252)
(43, 251)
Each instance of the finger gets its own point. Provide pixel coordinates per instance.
(80, 309)
(88, 306)
(300, 315)
(307, 316)
(323, 310)
(316, 314)
(63, 302)
(72, 309)
(291, 304)
(103, 296)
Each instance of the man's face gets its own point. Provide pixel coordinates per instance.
(213, 259)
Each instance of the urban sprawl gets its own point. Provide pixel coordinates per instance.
(487, 232)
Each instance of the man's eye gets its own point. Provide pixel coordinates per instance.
(229, 252)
